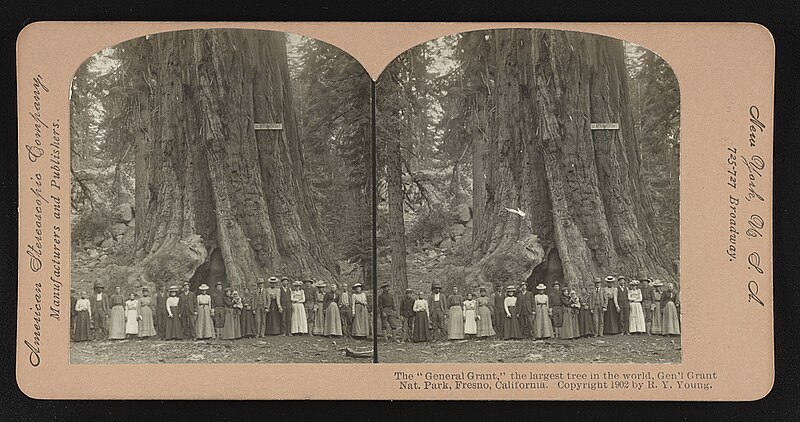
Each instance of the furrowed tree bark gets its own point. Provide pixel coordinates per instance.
(397, 235)
(208, 184)
(580, 188)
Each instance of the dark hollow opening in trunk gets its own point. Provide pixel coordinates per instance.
(210, 272)
(547, 271)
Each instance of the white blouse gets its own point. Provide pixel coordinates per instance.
(83, 305)
(635, 295)
(509, 301)
(172, 301)
(421, 304)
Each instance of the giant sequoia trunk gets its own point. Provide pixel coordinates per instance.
(216, 199)
(580, 188)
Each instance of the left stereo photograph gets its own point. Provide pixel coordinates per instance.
(220, 201)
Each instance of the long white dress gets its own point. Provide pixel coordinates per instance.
(132, 316)
(299, 321)
(636, 323)
(470, 325)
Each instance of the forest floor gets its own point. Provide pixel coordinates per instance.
(607, 349)
(308, 349)
(272, 349)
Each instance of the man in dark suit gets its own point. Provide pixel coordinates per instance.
(647, 301)
(597, 306)
(624, 306)
(437, 305)
(286, 304)
(526, 309)
(161, 315)
(100, 311)
(345, 312)
(310, 293)
(218, 308)
(260, 306)
(187, 311)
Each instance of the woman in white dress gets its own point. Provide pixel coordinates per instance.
(636, 323)
(470, 315)
(204, 327)
(299, 321)
(131, 316)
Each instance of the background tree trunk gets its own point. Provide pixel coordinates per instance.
(581, 189)
(207, 182)
(397, 235)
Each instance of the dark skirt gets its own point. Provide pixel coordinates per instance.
(511, 326)
(173, 330)
(273, 319)
(248, 323)
(611, 318)
(421, 331)
(585, 322)
(82, 326)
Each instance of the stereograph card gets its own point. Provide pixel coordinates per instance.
(477, 211)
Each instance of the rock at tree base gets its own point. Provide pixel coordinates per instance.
(118, 229)
(463, 213)
(124, 212)
(457, 230)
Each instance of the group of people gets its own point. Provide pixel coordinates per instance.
(517, 313)
(316, 308)
(297, 308)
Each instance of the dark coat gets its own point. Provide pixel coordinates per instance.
(525, 303)
(187, 303)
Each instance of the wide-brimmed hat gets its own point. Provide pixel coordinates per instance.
(357, 285)
(320, 284)
(646, 280)
(622, 277)
(541, 286)
(657, 283)
(610, 279)
(482, 289)
(203, 286)
(173, 288)
(185, 283)
(297, 283)
(511, 288)
(308, 281)
(273, 280)
(219, 283)
(634, 282)
(409, 290)
(99, 285)
(285, 278)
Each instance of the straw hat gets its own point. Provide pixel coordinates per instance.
(541, 286)
(173, 288)
(657, 283)
(297, 283)
(511, 288)
(610, 279)
(203, 286)
(273, 280)
(412, 290)
(357, 285)
(185, 283)
(320, 284)
(634, 282)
